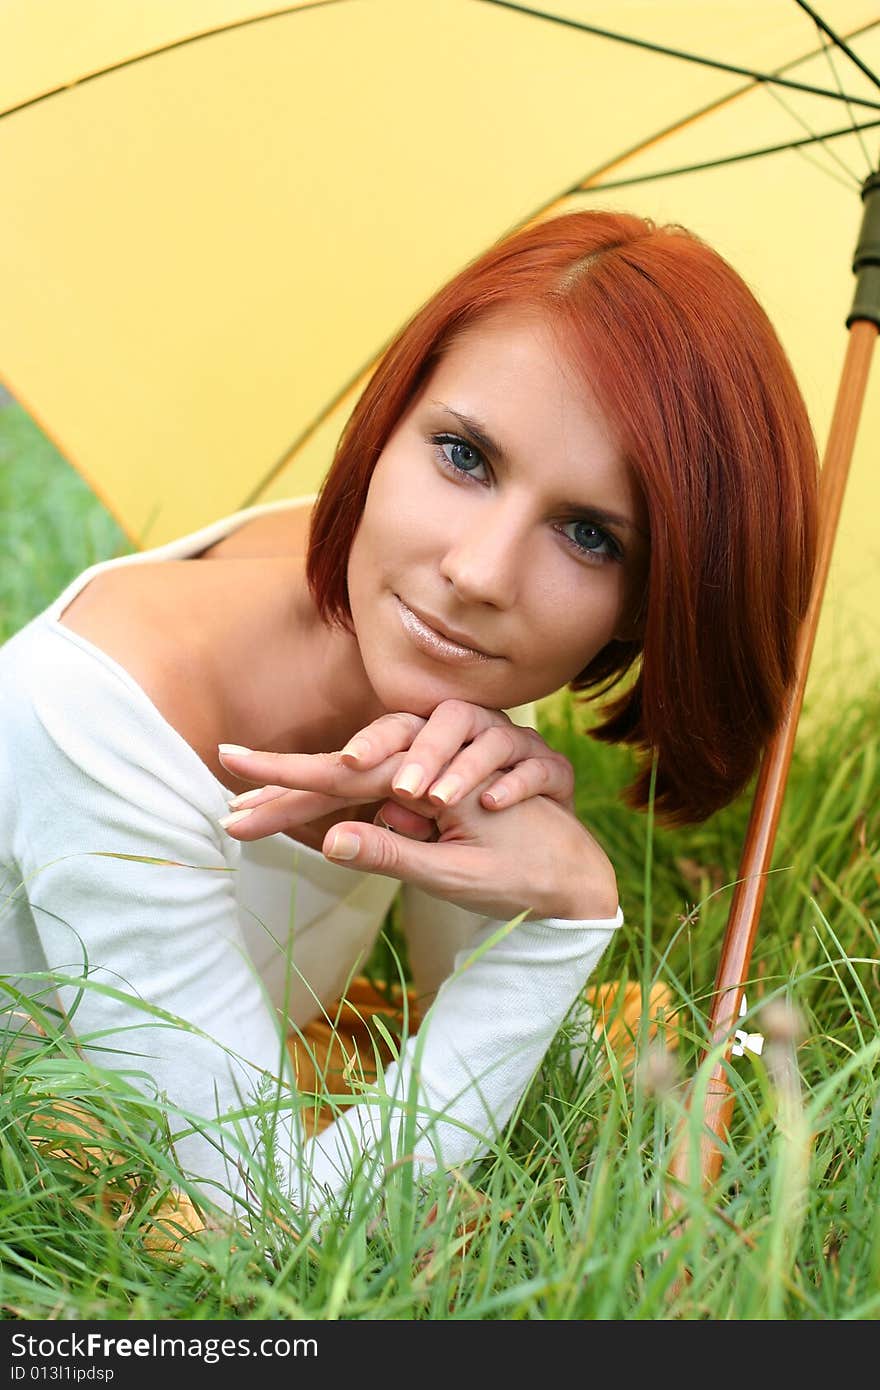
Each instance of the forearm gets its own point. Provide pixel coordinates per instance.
(458, 1081)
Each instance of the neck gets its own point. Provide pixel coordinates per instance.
(302, 687)
(337, 698)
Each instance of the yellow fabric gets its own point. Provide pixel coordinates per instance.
(217, 213)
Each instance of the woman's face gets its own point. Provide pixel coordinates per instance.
(495, 574)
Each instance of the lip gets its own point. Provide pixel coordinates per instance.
(439, 640)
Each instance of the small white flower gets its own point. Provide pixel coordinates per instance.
(746, 1042)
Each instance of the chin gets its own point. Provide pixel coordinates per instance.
(412, 693)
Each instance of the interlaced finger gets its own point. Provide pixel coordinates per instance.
(454, 725)
(404, 821)
(311, 772)
(282, 810)
(258, 797)
(391, 733)
(529, 768)
(551, 776)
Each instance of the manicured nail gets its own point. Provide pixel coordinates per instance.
(358, 748)
(446, 789)
(236, 815)
(233, 750)
(343, 846)
(498, 797)
(245, 796)
(409, 779)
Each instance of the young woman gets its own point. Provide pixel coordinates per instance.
(586, 456)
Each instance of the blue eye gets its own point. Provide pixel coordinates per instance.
(592, 540)
(462, 456)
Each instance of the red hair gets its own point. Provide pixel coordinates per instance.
(689, 371)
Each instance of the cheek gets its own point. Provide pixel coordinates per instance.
(570, 629)
(394, 512)
(372, 541)
(355, 568)
(362, 576)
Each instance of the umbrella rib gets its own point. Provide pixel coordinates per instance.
(294, 447)
(832, 154)
(838, 42)
(826, 49)
(770, 79)
(305, 435)
(850, 183)
(717, 163)
(767, 77)
(301, 8)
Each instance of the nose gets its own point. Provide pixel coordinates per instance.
(485, 562)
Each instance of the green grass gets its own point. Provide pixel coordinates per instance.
(567, 1217)
(51, 527)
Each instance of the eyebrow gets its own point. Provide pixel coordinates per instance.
(496, 453)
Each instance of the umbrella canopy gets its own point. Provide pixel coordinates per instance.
(217, 213)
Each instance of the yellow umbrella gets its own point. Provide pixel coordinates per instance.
(217, 213)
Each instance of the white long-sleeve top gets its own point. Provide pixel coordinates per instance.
(89, 768)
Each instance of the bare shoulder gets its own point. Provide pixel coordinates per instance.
(113, 610)
(155, 624)
(185, 632)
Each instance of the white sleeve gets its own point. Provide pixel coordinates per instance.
(434, 931)
(88, 771)
(474, 1055)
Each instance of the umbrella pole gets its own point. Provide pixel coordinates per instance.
(742, 924)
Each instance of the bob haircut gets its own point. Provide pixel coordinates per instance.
(693, 379)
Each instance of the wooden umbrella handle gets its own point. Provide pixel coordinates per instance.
(745, 910)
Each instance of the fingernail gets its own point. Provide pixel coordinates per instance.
(226, 821)
(233, 750)
(343, 846)
(497, 798)
(245, 796)
(410, 779)
(446, 789)
(358, 748)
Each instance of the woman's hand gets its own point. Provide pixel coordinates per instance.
(423, 763)
(449, 753)
(536, 856)
(459, 747)
(306, 793)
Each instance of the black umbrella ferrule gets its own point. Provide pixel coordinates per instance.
(866, 261)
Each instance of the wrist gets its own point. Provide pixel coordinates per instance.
(597, 899)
